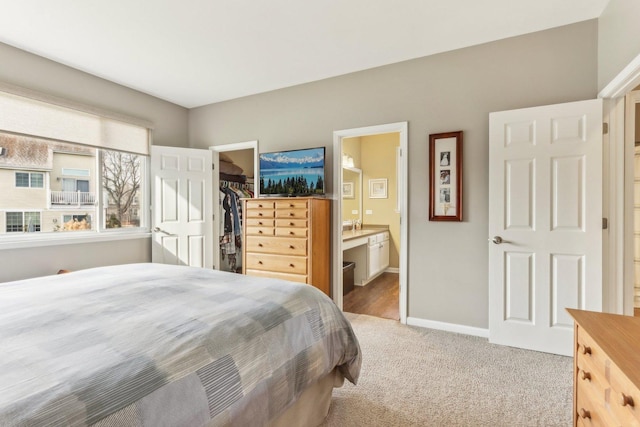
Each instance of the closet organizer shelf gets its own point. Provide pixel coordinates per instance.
(288, 239)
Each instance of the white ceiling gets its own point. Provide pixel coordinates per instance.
(197, 52)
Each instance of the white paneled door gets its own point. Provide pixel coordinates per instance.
(182, 209)
(545, 223)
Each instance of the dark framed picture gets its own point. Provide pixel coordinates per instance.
(445, 176)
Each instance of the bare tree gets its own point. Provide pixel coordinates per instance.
(121, 180)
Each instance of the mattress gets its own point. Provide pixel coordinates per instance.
(154, 345)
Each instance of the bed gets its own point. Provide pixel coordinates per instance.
(160, 345)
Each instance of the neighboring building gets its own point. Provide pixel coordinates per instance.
(46, 185)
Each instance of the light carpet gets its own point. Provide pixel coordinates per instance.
(422, 377)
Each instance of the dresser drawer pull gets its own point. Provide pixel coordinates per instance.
(626, 400)
(585, 375)
(586, 349)
(259, 222)
(259, 213)
(291, 265)
(259, 245)
(292, 232)
(260, 205)
(584, 413)
(291, 214)
(291, 247)
(260, 262)
(259, 231)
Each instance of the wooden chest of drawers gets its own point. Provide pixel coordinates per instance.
(606, 369)
(288, 238)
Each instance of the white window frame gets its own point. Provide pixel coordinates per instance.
(23, 212)
(30, 186)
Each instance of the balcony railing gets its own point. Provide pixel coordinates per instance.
(73, 198)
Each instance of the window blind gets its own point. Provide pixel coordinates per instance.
(33, 117)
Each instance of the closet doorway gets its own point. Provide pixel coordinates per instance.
(235, 168)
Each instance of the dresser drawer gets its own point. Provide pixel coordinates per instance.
(279, 263)
(260, 213)
(260, 204)
(588, 350)
(293, 204)
(283, 246)
(299, 223)
(625, 398)
(591, 409)
(260, 231)
(260, 222)
(299, 278)
(291, 213)
(291, 232)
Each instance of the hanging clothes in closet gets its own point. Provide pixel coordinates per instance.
(231, 224)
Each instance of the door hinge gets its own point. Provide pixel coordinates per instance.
(605, 223)
(213, 166)
(605, 128)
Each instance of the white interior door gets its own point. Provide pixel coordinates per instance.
(545, 223)
(182, 209)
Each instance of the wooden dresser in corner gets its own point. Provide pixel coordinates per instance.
(606, 385)
(288, 238)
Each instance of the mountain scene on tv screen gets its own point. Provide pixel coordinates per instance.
(292, 172)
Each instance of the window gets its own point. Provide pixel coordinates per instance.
(106, 197)
(92, 166)
(76, 172)
(18, 222)
(27, 179)
(76, 222)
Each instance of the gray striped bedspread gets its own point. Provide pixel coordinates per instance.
(153, 345)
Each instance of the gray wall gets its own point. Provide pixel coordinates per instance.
(446, 92)
(618, 38)
(33, 72)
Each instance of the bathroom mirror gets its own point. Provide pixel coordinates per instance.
(351, 194)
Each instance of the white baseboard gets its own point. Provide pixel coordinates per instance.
(449, 327)
(395, 270)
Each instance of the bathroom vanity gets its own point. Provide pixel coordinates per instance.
(369, 249)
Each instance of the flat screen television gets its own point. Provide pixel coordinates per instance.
(292, 173)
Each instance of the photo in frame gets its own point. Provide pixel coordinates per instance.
(378, 188)
(347, 190)
(445, 176)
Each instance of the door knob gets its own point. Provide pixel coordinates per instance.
(496, 240)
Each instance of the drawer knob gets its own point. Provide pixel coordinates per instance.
(291, 247)
(626, 400)
(259, 213)
(292, 233)
(259, 244)
(260, 262)
(584, 413)
(259, 222)
(585, 375)
(291, 214)
(259, 231)
(291, 265)
(291, 223)
(586, 349)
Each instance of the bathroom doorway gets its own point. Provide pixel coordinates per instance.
(370, 169)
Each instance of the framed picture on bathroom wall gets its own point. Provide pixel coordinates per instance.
(445, 176)
(378, 188)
